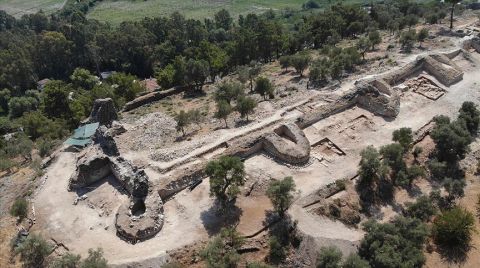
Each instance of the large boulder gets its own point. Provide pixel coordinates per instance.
(103, 112)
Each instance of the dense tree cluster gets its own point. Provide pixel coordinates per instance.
(72, 51)
(34, 250)
(396, 244)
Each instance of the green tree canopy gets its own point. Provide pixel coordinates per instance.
(280, 194)
(403, 136)
(329, 257)
(471, 116)
(226, 176)
(224, 109)
(396, 244)
(453, 228)
(245, 106)
(221, 251)
(33, 251)
(264, 87)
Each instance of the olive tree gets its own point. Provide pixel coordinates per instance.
(264, 87)
(280, 194)
(226, 176)
(222, 250)
(245, 106)
(224, 109)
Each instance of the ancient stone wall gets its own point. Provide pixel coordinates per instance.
(151, 97)
(142, 216)
(103, 112)
(377, 101)
(289, 144)
(443, 69)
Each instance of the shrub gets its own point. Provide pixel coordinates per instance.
(354, 261)
(258, 265)
(182, 119)
(221, 251)
(94, 259)
(19, 208)
(33, 251)
(68, 260)
(310, 4)
(454, 228)
(277, 253)
(329, 257)
(423, 209)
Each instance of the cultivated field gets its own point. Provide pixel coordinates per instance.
(118, 11)
(21, 7)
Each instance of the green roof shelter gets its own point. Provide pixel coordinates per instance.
(82, 136)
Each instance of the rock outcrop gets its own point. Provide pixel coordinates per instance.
(103, 112)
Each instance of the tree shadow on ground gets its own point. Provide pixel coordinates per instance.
(214, 219)
(454, 255)
(242, 122)
(414, 191)
(193, 93)
(188, 136)
(110, 179)
(284, 229)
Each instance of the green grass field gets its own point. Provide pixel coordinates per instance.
(21, 7)
(116, 11)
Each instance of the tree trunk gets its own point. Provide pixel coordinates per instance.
(451, 16)
(251, 85)
(226, 124)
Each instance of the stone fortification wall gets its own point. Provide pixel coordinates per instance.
(151, 97)
(443, 69)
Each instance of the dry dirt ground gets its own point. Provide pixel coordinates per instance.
(151, 142)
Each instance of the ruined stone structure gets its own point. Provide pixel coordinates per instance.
(378, 97)
(288, 143)
(103, 112)
(141, 217)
